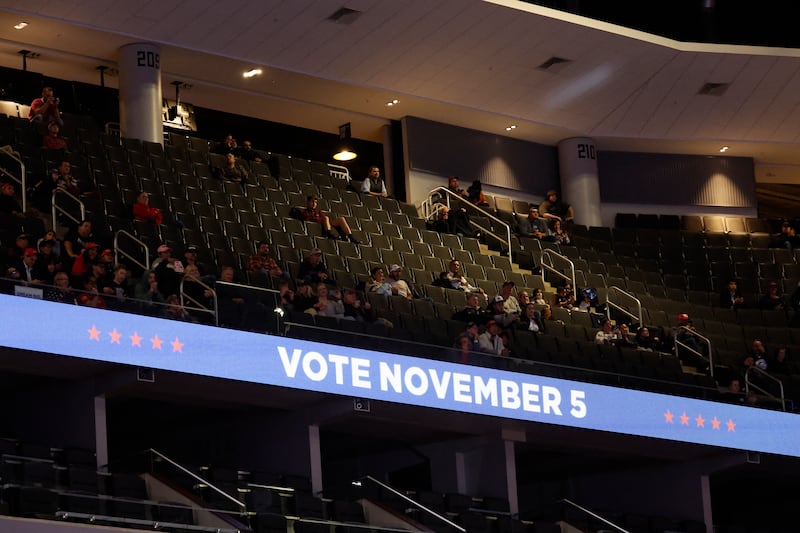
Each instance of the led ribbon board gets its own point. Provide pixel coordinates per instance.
(168, 345)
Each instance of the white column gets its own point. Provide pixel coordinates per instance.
(100, 432)
(140, 92)
(315, 458)
(511, 477)
(580, 185)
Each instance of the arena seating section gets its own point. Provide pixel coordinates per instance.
(672, 264)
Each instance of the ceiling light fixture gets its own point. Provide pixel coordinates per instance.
(252, 73)
(724, 149)
(20, 25)
(393, 102)
(345, 152)
(511, 127)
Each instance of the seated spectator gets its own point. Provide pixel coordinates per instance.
(733, 393)
(531, 320)
(491, 341)
(61, 291)
(452, 186)
(730, 297)
(497, 313)
(684, 334)
(538, 297)
(305, 298)
(780, 363)
(788, 237)
(564, 296)
(51, 236)
(98, 275)
(456, 280)
(607, 334)
(772, 301)
(355, 308)
(76, 238)
(26, 271)
(285, 296)
(197, 295)
(313, 269)
(327, 302)
(473, 311)
(624, 336)
(233, 304)
(475, 194)
(190, 258)
(52, 139)
(66, 180)
(246, 153)
(373, 184)
(472, 331)
(45, 108)
(173, 310)
(645, 341)
(534, 226)
(554, 209)
(227, 146)
(143, 212)
(524, 298)
(147, 293)
(462, 349)
(90, 296)
(400, 287)
(89, 255)
(558, 234)
(312, 213)
(118, 290)
(757, 356)
(511, 305)
(263, 262)
(168, 270)
(11, 214)
(231, 170)
(48, 261)
(377, 282)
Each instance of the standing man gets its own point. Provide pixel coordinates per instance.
(373, 184)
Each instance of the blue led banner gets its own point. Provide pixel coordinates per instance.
(224, 353)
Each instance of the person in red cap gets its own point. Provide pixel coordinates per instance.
(83, 263)
(25, 269)
(691, 350)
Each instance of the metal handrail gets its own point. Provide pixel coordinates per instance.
(549, 255)
(196, 477)
(616, 291)
(55, 208)
(593, 515)
(15, 155)
(429, 209)
(200, 306)
(694, 333)
(413, 502)
(763, 373)
(118, 251)
(338, 171)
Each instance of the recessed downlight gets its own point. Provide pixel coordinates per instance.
(252, 73)
(20, 25)
(393, 102)
(724, 149)
(511, 127)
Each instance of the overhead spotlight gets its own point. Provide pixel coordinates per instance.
(252, 73)
(20, 25)
(511, 127)
(724, 149)
(345, 152)
(393, 102)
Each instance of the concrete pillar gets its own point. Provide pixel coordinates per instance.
(101, 432)
(580, 185)
(140, 92)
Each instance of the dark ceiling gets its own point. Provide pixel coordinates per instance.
(702, 21)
